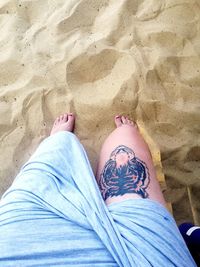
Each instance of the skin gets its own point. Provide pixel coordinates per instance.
(125, 168)
(64, 122)
(133, 163)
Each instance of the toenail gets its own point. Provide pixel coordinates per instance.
(117, 116)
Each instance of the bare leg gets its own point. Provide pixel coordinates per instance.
(125, 168)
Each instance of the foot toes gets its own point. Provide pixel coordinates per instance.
(65, 117)
(71, 117)
(124, 120)
(64, 122)
(132, 123)
(57, 120)
(129, 122)
(118, 121)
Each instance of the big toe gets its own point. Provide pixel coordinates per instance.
(118, 121)
(65, 117)
(71, 119)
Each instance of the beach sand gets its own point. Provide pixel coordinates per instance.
(98, 59)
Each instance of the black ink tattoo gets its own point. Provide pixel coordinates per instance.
(124, 173)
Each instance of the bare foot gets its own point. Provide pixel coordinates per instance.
(122, 120)
(64, 122)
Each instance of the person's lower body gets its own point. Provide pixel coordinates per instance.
(57, 187)
(125, 167)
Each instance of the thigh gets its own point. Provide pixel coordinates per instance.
(125, 169)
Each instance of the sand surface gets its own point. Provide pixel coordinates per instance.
(99, 58)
